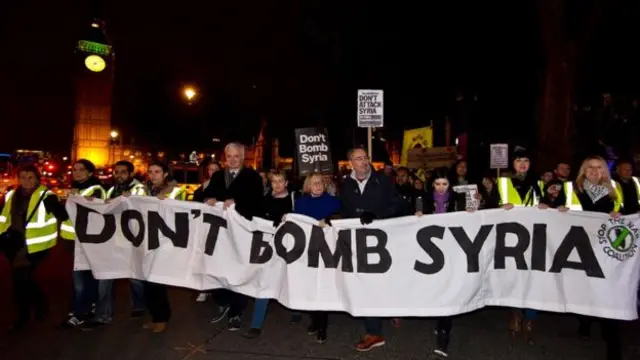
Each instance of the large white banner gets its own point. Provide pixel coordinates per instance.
(437, 265)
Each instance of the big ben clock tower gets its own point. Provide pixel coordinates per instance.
(94, 87)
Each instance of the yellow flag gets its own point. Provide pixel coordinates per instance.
(415, 138)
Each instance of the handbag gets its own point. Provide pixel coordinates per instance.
(12, 240)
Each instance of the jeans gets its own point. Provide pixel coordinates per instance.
(530, 314)
(104, 305)
(106, 296)
(259, 313)
(373, 326)
(85, 292)
(137, 295)
(26, 291)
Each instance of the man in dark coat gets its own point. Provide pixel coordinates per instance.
(243, 187)
(368, 195)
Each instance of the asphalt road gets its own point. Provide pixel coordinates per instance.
(480, 335)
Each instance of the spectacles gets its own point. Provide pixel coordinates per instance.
(361, 158)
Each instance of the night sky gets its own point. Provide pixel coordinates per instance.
(294, 63)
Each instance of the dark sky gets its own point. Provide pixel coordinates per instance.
(306, 60)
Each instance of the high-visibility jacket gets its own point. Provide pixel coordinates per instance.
(67, 232)
(573, 203)
(509, 194)
(618, 188)
(136, 188)
(41, 232)
(177, 193)
(541, 185)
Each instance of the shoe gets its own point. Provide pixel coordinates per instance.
(528, 332)
(159, 327)
(321, 336)
(136, 314)
(442, 343)
(252, 333)
(441, 353)
(202, 297)
(71, 322)
(369, 342)
(222, 312)
(515, 322)
(235, 323)
(93, 324)
(311, 330)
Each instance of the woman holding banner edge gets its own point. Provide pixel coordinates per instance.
(593, 191)
(440, 199)
(521, 189)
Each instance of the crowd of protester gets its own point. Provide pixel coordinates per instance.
(359, 192)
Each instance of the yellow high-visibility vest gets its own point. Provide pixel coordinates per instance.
(618, 188)
(67, 232)
(509, 194)
(573, 203)
(41, 233)
(136, 189)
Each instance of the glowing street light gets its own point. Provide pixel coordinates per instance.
(189, 93)
(114, 134)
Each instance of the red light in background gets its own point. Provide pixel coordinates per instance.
(50, 167)
(109, 170)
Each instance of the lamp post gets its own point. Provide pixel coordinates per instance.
(114, 138)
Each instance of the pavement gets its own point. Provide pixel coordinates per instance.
(481, 335)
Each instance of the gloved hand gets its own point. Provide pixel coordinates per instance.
(367, 218)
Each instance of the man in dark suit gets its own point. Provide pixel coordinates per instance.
(243, 187)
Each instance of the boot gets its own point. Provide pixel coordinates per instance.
(515, 322)
(442, 343)
(528, 332)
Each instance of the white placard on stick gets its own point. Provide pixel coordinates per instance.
(499, 156)
(370, 108)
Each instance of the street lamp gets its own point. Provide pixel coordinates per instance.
(189, 93)
(114, 137)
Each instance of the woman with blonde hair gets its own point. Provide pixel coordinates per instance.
(317, 203)
(594, 191)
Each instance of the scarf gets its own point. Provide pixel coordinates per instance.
(595, 191)
(440, 202)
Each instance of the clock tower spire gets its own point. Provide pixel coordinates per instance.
(94, 76)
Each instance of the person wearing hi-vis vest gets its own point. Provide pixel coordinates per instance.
(628, 188)
(29, 216)
(593, 191)
(124, 185)
(155, 294)
(521, 189)
(85, 286)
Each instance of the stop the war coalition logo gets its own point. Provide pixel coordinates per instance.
(619, 238)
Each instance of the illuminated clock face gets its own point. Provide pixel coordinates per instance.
(95, 63)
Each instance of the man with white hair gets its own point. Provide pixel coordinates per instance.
(242, 187)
